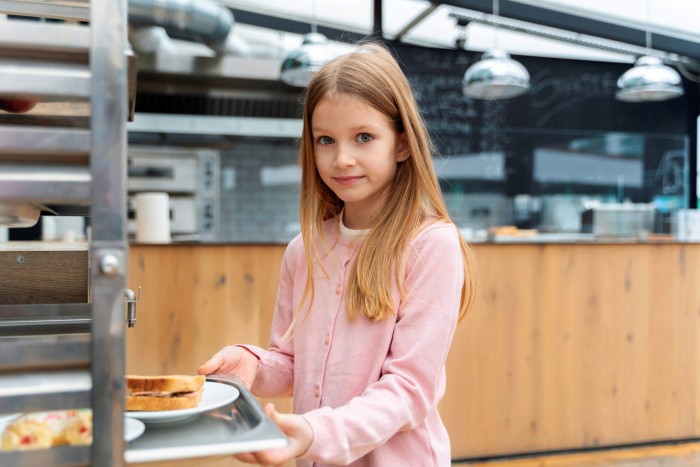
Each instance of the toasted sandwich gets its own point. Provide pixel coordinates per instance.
(171, 392)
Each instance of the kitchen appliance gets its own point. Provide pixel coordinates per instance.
(561, 213)
(619, 219)
(686, 225)
(191, 179)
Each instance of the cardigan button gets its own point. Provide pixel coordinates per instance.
(327, 340)
(318, 391)
(337, 290)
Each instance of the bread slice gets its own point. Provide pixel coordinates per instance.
(176, 401)
(163, 384)
(168, 392)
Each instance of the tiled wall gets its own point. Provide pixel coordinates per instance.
(260, 196)
(260, 192)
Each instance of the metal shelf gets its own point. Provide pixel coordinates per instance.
(57, 310)
(46, 390)
(22, 320)
(73, 456)
(44, 80)
(44, 141)
(39, 326)
(31, 37)
(40, 352)
(45, 184)
(61, 9)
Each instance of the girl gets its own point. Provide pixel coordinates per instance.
(371, 291)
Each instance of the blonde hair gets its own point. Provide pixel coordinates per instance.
(371, 74)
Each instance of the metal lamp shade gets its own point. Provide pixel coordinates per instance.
(649, 80)
(301, 64)
(496, 76)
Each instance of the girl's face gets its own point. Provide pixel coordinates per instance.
(357, 151)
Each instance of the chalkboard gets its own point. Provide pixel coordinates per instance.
(564, 94)
(457, 124)
(567, 99)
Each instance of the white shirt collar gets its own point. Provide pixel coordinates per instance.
(351, 233)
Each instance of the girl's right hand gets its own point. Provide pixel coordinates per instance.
(235, 360)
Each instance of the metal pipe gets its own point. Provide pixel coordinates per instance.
(201, 20)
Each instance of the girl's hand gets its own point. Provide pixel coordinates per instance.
(297, 430)
(235, 360)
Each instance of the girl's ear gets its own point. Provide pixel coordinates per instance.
(402, 150)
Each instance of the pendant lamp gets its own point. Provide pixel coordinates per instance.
(649, 80)
(301, 64)
(496, 75)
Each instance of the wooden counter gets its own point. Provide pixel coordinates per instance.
(569, 346)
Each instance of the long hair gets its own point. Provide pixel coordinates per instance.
(371, 74)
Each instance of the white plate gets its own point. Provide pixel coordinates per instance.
(132, 428)
(6, 417)
(214, 396)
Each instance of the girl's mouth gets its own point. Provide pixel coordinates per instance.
(347, 180)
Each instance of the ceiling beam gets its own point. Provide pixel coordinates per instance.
(414, 22)
(378, 18)
(507, 9)
(293, 26)
(580, 24)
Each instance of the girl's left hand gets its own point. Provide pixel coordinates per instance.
(297, 430)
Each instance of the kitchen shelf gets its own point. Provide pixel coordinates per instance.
(44, 80)
(44, 141)
(45, 390)
(62, 455)
(40, 352)
(43, 326)
(241, 426)
(45, 184)
(38, 38)
(31, 310)
(42, 319)
(60, 9)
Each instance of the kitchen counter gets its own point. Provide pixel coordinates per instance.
(543, 238)
(573, 238)
(569, 346)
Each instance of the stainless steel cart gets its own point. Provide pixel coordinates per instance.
(71, 355)
(62, 356)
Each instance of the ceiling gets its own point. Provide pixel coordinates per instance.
(673, 23)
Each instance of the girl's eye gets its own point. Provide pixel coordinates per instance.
(324, 140)
(364, 138)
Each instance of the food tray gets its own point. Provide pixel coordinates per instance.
(241, 426)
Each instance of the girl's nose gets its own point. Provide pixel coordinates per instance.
(344, 158)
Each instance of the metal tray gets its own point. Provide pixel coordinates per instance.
(241, 426)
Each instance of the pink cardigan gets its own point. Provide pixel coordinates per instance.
(369, 389)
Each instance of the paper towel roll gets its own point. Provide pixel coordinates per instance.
(152, 218)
